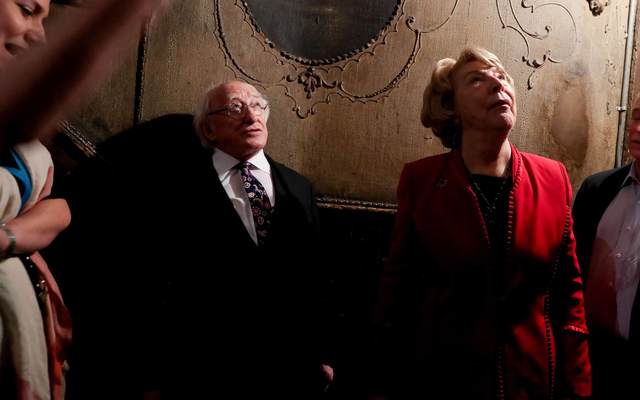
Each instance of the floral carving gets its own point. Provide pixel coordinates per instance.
(311, 81)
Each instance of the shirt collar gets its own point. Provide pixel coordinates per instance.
(631, 176)
(224, 162)
(259, 160)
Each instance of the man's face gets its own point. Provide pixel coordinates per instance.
(634, 131)
(21, 26)
(242, 134)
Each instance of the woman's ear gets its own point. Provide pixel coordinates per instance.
(447, 101)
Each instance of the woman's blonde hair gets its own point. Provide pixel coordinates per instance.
(438, 110)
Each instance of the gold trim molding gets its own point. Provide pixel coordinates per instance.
(79, 140)
(356, 205)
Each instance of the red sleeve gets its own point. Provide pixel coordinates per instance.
(574, 369)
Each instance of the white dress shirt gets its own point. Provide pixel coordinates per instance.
(613, 271)
(232, 184)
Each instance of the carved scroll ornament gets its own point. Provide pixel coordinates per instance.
(513, 20)
(309, 82)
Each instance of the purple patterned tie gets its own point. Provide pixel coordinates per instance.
(260, 205)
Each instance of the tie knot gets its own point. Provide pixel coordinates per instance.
(244, 166)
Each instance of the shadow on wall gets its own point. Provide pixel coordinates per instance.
(570, 123)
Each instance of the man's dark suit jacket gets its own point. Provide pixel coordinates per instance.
(614, 362)
(167, 289)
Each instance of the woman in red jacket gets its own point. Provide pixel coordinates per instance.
(482, 295)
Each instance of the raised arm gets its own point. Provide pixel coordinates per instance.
(38, 87)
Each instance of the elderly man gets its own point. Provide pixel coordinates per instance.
(607, 228)
(207, 279)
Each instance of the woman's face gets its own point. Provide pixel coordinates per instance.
(483, 97)
(21, 26)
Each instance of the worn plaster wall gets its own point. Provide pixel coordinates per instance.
(357, 122)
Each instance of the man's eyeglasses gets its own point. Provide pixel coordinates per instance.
(238, 109)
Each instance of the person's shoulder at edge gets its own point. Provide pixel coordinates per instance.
(151, 135)
(288, 173)
(599, 177)
(138, 147)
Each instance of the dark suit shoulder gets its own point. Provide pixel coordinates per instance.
(290, 175)
(155, 135)
(613, 176)
(149, 149)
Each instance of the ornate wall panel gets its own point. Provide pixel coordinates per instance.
(345, 109)
(346, 82)
(578, 108)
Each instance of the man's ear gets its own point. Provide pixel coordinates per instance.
(207, 132)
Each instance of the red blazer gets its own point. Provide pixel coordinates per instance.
(470, 324)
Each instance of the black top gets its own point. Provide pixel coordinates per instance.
(493, 195)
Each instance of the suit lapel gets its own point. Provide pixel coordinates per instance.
(279, 185)
(283, 186)
(608, 191)
(292, 208)
(281, 193)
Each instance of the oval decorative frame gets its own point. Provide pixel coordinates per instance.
(373, 38)
(326, 74)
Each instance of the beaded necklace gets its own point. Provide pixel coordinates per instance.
(489, 208)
